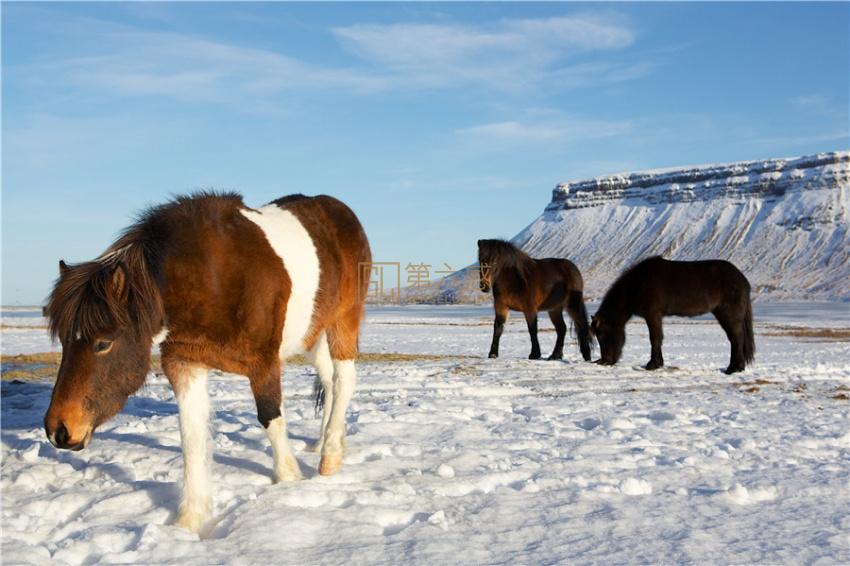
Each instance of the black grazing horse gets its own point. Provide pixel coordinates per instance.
(529, 285)
(656, 287)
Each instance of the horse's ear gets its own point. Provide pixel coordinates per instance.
(119, 282)
(63, 267)
(479, 243)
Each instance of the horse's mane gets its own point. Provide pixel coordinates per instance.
(500, 255)
(619, 290)
(83, 302)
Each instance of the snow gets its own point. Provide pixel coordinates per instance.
(456, 458)
(784, 222)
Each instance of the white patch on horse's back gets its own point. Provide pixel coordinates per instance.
(293, 244)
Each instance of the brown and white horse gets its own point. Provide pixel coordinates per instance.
(217, 285)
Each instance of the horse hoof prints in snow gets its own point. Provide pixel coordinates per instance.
(218, 285)
(529, 285)
(656, 287)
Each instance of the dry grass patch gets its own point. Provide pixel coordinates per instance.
(758, 381)
(27, 367)
(385, 357)
(396, 357)
(428, 323)
(805, 332)
(45, 365)
(754, 386)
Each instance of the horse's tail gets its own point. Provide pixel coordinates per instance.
(749, 341)
(578, 313)
(318, 396)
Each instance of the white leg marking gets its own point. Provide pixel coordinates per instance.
(345, 378)
(285, 465)
(293, 244)
(193, 402)
(320, 357)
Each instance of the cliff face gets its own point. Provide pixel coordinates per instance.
(772, 178)
(783, 222)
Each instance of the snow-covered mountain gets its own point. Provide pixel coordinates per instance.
(783, 222)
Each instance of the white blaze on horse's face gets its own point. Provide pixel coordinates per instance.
(293, 244)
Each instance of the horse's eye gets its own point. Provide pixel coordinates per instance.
(102, 346)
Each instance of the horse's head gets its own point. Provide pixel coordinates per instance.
(105, 352)
(611, 339)
(485, 269)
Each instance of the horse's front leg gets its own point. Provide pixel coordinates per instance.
(531, 321)
(656, 337)
(267, 394)
(557, 318)
(498, 328)
(189, 383)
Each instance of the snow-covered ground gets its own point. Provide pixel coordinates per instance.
(460, 459)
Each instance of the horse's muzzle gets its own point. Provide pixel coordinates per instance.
(61, 438)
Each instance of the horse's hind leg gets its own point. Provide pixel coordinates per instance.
(734, 328)
(342, 339)
(557, 318)
(189, 383)
(531, 321)
(656, 337)
(266, 388)
(320, 357)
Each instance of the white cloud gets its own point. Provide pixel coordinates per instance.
(144, 63)
(555, 129)
(508, 54)
(810, 100)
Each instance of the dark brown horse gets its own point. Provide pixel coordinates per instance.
(656, 287)
(217, 285)
(529, 285)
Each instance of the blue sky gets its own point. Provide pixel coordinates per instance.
(438, 123)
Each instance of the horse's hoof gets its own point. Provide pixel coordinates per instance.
(493, 355)
(191, 520)
(555, 357)
(534, 356)
(287, 471)
(330, 464)
(730, 370)
(652, 365)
